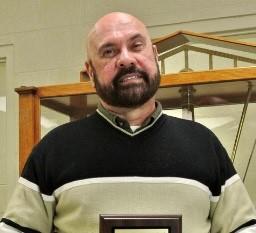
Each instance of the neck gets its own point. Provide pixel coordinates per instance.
(135, 116)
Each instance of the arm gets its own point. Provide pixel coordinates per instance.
(232, 210)
(251, 229)
(29, 210)
(31, 207)
(4, 228)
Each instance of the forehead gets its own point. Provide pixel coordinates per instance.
(110, 31)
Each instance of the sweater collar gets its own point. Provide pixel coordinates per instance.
(123, 124)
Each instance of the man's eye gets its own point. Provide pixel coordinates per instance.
(110, 52)
(138, 46)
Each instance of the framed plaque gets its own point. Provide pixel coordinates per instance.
(140, 223)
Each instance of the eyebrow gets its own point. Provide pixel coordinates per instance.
(137, 36)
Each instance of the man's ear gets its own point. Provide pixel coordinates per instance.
(89, 70)
(155, 51)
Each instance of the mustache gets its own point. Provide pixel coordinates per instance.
(129, 70)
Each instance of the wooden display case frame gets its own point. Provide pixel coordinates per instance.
(30, 97)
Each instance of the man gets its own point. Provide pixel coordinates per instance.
(128, 157)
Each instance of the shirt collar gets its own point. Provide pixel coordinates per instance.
(119, 122)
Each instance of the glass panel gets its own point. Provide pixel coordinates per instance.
(224, 125)
(219, 107)
(206, 95)
(56, 111)
(245, 160)
(50, 119)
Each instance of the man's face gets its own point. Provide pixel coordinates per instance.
(123, 62)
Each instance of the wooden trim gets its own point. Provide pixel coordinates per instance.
(220, 54)
(26, 90)
(180, 38)
(29, 125)
(187, 48)
(211, 76)
(66, 89)
(203, 36)
(29, 98)
(167, 80)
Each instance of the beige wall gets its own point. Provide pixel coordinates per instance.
(48, 36)
(44, 40)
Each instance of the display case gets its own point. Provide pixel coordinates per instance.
(203, 78)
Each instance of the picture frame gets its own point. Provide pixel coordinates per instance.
(110, 223)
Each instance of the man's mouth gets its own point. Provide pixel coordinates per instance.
(131, 78)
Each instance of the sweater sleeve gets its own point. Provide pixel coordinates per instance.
(250, 229)
(30, 208)
(232, 209)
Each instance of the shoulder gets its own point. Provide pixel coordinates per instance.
(195, 135)
(182, 126)
(59, 146)
(65, 136)
(192, 134)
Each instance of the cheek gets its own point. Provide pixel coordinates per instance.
(109, 69)
(148, 63)
(106, 72)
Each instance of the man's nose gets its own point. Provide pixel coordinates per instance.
(126, 59)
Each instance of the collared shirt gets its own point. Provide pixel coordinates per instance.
(123, 124)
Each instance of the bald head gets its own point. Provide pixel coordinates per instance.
(115, 19)
(113, 23)
(122, 61)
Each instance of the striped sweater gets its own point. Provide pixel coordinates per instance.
(88, 167)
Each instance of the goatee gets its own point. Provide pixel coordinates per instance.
(129, 95)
